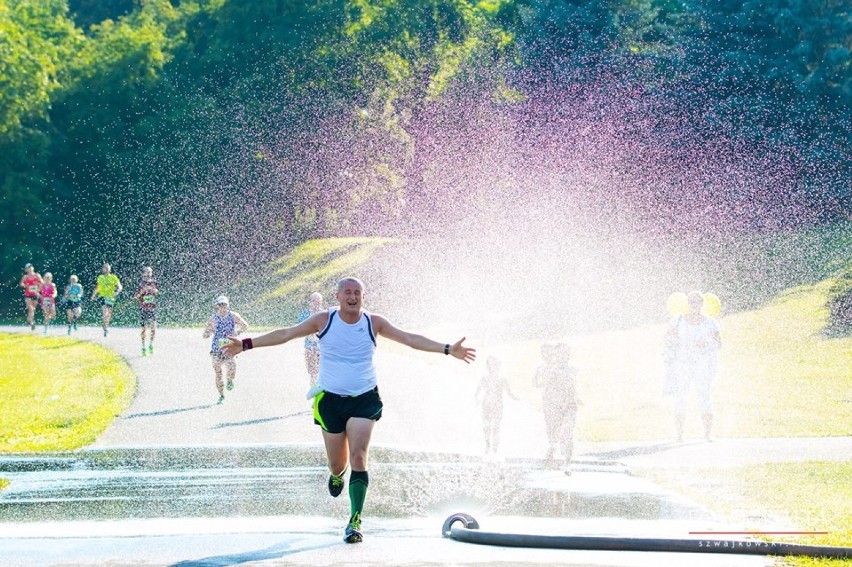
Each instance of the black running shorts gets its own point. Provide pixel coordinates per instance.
(332, 411)
(147, 316)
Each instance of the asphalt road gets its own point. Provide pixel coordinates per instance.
(429, 407)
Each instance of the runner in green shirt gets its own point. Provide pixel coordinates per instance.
(105, 291)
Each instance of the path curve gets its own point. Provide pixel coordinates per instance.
(429, 399)
(429, 406)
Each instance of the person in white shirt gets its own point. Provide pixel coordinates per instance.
(696, 341)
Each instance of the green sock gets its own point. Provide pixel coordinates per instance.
(358, 482)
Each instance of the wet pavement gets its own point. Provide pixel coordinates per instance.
(109, 484)
(178, 480)
(268, 505)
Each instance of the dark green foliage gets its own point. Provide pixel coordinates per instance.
(89, 12)
(125, 125)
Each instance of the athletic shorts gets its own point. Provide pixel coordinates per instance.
(73, 306)
(332, 411)
(147, 316)
(106, 302)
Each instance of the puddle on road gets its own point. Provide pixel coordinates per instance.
(172, 482)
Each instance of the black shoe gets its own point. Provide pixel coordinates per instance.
(335, 485)
(353, 530)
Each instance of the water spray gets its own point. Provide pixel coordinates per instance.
(469, 532)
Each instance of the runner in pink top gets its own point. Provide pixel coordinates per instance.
(48, 300)
(31, 282)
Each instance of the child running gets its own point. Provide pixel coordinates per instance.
(31, 282)
(490, 394)
(73, 301)
(223, 324)
(146, 294)
(558, 377)
(48, 300)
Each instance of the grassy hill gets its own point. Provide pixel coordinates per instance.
(780, 373)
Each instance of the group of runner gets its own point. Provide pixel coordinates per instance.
(340, 343)
(41, 291)
(345, 394)
(226, 323)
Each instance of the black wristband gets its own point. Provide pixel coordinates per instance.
(247, 344)
(446, 349)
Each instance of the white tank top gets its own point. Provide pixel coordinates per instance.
(346, 355)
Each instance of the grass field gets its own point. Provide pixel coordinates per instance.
(779, 376)
(58, 394)
(811, 496)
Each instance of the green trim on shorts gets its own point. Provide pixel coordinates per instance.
(317, 415)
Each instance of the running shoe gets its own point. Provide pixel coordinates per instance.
(144, 352)
(221, 400)
(32, 327)
(75, 325)
(69, 329)
(353, 530)
(230, 385)
(335, 485)
(106, 331)
(151, 348)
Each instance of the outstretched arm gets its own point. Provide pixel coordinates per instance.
(241, 326)
(208, 330)
(313, 324)
(384, 328)
(509, 390)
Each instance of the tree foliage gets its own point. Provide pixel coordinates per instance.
(126, 127)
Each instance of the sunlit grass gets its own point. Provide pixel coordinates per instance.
(809, 496)
(275, 295)
(779, 376)
(318, 264)
(58, 393)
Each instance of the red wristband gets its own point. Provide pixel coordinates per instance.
(247, 344)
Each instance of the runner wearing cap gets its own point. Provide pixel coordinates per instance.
(223, 324)
(31, 282)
